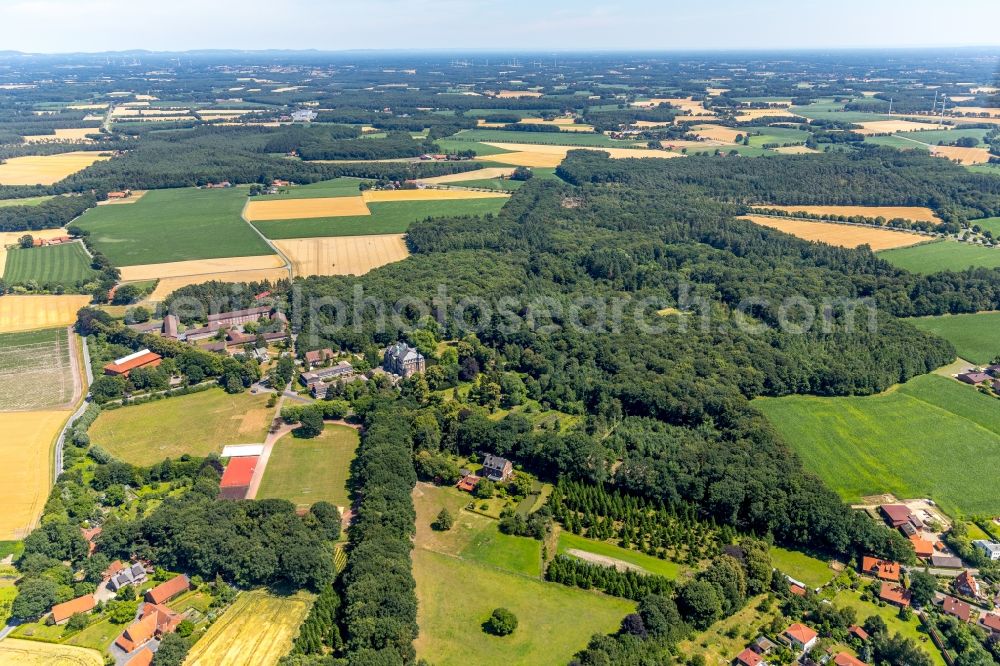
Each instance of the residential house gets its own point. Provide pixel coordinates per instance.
(967, 585)
(496, 469)
(318, 357)
(260, 354)
(134, 575)
(143, 657)
(895, 594)
(921, 546)
(748, 658)
(112, 569)
(993, 370)
(956, 608)
(164, 592)
(137, 634)
(64, 611)
(342, 369)
(468, 483)
(973, 377)
(90, 534)
(895, 514)
(403, 360)
(883, 569)
(990, 622)
(800, 637)
(167, 619)
(991, 549)
(126, 364)
(847, 659)
(942, 561)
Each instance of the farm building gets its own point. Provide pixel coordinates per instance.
(943, 561)
(170, 323)
(895, 514)
(991, 549)
(955, 608)
(64, 611)
(496, 469)
(143, 657)
(137, 634)
(967, 585)
(403, 360)
(800, 637)
(973, 377)
(126, 364)
(895, 594)
(921, 546)
(882, 569)
(236, 479)
(164, 592)
(763, 645)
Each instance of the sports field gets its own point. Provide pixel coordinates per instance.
(46, 169)
(174, 225)
(198, 424)
(305, 471)
(916, 213)
(25, 476)
(393, 217)
(841, 235)
(920, 439)
(256, 630)
(345, 255)
(976, 336)
(35, 653)
(35, 370)
(65, 264)
(26, 313)
(945, 255)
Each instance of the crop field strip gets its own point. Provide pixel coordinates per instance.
(344, 255)
(66, 264)
(841, 235)
(46, 169)
(943, 255)
(976, 336)
(914, 213)
(26, 313)
(35, 370)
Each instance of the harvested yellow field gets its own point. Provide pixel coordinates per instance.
(46, 169)
(485, 125)
(36, 653)
(87, 107)
(374, 196)
(565, 124)
(915, 213)
(715, 92)
(8, 238)
(841, 235)
(167, 286)
(298, 209)
(136, 195)
(123, 112)
(711, 117)
(686, 105)
(649, 124)
(748, 115)
(514, 94)
(343, 255)
(27, 313)
(257, 630)
(146, 98)
(525, 159)
(891, 126)
(972, 119)
(679, 144)
(64, 134)
(481, 174)
(541, 155)
(993, 112)
(794, 150)
(962, 155)
(199, 267)
(25, 476)
(716, 133)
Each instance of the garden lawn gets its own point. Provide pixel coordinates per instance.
(909, 629)
(62, 264)
(174, 225)
(305, 471)
(975, 336)
(919, 439)
(456, 596)
(809, 570)
(653, 565)
(196, 424)
(942, 255)
(386, 218)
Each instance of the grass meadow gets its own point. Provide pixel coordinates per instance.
(930, 437)
(305, 471)
(26, 201)
(942, 255)
(393, 217)
(654, 565)
(932, 137)
(976, 336)
(64, 264)
(198, 424)
(990, 223)
(338, 187)
(464, 573)
(779, 135)
(805, 568)
(174, 225)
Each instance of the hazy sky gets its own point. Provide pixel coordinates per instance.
(99, 25)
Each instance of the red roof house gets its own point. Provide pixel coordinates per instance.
(990, 622)
(967, 584)
(748, 658)
(801, 636)
(112, 569)
(166, 591)
(895, 594)
(883, 569)
(143, 657)
(64, 611)
(137, 634)
(468, 484)
(797, 590)
(90, 535)
(855, 630)
(956, 608)
(845, 659)
(921, 546)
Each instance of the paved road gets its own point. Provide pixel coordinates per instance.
(272, 437)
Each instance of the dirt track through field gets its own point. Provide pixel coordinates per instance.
(342, 255)
(842, 235)
(604, 560)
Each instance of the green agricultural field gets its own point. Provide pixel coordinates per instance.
(457, 145)
(549, 138)
(909, 628)
(944, 255)
(990, 223)
(174, 225)
(919, 439)
(975, 336)
(810, 570)
(740, 149)
(456, 596)
(197, 424)
(569, 541)
(932, 137)
(830, 110)
(305, 471)
(989, 169)
(35, 370)
(779, 135)
(895, 142)
(26, 201)
(338, 187)
(393, 217)
(62, 264)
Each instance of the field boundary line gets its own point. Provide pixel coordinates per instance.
(288, 263)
